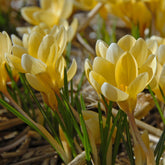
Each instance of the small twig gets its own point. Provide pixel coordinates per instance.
(10, 123)
(35, 159)
(85, 45)
(13, 145)
(90, 16)
(18, 140)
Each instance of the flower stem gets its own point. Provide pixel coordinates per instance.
(138, 140)
(135, 132)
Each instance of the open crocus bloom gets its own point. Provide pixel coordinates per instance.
(40, 57)
(121, 70)
(50, 12)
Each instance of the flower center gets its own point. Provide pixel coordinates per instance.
(123, 87)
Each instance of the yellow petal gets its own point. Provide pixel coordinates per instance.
(33, 43)
(161, 54)
(150, 67)
(72, 29)
(53, 56)
(36, 83)
(140, 51)
(18, 51)
(16, 40)
(112, 93)
(15, 63)
(96, 80)
(101, 48)
(87, 68)
(45, 4)
(5, 45)
(46, 16)
(162, 79)
(62, 39)
(67, 9)
(113, 53)
(72, 70)
(138, 84)
(104, 68)
(126, 42)
(25, 39)
(44, 48)
(32, 65)
(28, 12)
(126, 71)
(152, 45)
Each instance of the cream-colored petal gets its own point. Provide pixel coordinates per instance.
(152, 45)
(72, 70)
(87, 68)
(161, 54)
(96, 80)
(14, 62)
(126, 71)
(23, 30)
(140, 51)
(113, 53)
(28, 14)
(72, 29)
(18, 51)
(138, 84)
(150, 67)
(62, 39)
(101, 48)
(104, 68)
(112, 93)
(16, 40)
(34, 43)
(32, 65)
(44, 48)
(126, 42)
(67, 9)
(25, 39)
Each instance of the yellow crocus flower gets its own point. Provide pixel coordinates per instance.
(121, 70)
(40, 57)
(71, 29)
(50, 12)
(159, 78)
(5, 48)
(128, 11)
(85, 4)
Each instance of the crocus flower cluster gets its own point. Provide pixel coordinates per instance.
(40, 56)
